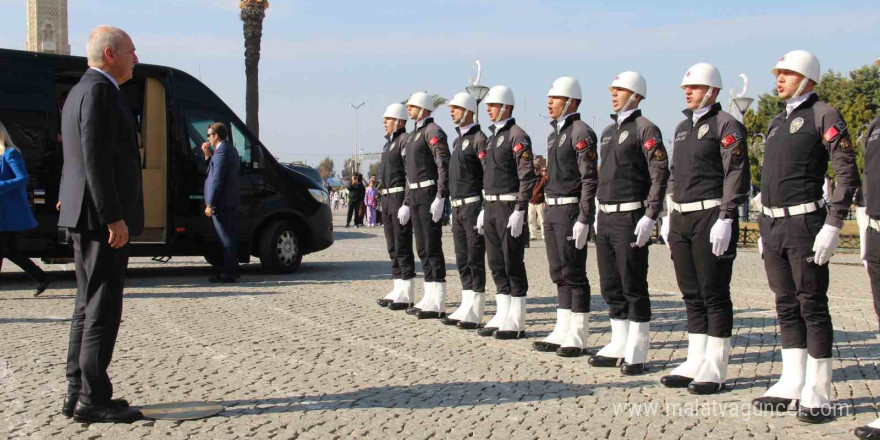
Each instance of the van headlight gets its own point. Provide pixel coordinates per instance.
(320, 195)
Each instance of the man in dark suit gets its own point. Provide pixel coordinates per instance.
(101, 202)
(222, 196)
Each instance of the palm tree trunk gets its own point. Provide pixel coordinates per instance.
(252, 15)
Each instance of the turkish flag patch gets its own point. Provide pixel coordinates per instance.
(731, 139)
(834, 131)
(581, 145)
(650, 143)
(481, 155)
(434, 141)
(518, 148)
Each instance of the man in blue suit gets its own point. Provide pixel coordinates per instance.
(222, 196)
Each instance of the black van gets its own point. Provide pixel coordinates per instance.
(283, 215)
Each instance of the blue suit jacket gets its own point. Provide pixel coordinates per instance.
(221, 185)
(15, 212)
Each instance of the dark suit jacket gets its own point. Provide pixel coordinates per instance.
(101, 178)
(221, 185)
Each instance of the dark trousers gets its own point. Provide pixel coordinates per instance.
(505, 252)
(800, 285)
(9, 251)
(623, 266)
(568, 265)
(398, 238)
(470, 247)
(97, 312)
(428, 233)
(224, 224)
(873, 257)
(354, 209)
(703, 278)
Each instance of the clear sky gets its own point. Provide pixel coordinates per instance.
(318, 57)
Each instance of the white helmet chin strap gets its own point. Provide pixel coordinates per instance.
(564, 112)
(501, 113)
(421, 112)
(706, 97)
(628, 102)
(800, 88)
(460, 122)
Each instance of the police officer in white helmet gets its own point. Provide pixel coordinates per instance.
(800, 233)
(632, 183)
(508, 180)
(572, 178)
(709, 181)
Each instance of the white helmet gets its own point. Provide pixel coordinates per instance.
(566, 87)
(799, 61)
(464, 100)
(702, 74)
(396, 111)
(499, 95)
(632, 81)
(421, 100)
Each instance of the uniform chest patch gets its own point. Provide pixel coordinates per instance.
(622, 137)
(702, 131)
(562, 139)
(874, 135)
(606, 139)
(418, 135)
(680, 136)
(796, 125)
(392, 146)
(465, 144)
(499, 141)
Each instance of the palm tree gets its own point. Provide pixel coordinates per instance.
(252, 14)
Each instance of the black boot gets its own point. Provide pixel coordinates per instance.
(705, 388)
(676, 381)
(399, 306)
(545, 347)
(604, 361)
(867, 433)
(815, 415)
(633, 369)
(769, 403)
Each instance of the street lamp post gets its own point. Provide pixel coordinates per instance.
(478, 91)
(354, 162)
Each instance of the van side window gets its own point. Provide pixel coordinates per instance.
(197, 122)
(242, 144)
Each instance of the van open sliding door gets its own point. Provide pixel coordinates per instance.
(153, 147)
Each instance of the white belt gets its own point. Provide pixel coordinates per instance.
(696, 206)
(501, 198)
(874, 224)
(465, 201)
(553, 201)
(424, 184)
(396, 189)
(804, 208)
(621, 207)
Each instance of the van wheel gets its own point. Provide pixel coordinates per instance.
(214, 259)
(279, 248)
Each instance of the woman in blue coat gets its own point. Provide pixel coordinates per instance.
(15, 212)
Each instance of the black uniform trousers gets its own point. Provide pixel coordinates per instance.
(568, 265)
(506, 253)
(703, 278)
(9, 251)
(428, 233)
(470, 247)
(224, 224)
(398, 238)
(800, 285)
(97, 312)
(873, 257)
(623, 266)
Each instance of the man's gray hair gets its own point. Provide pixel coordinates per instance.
(103, 37)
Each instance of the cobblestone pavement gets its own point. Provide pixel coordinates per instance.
(311, 355)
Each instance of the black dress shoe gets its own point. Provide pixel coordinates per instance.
(487, 331)
(464, 325)
(69, 404)
(399, 306)
(384, 302)
(412, 310)
(676, 381)
(815, 415)
(768, 403)
(424, 314)
(867, 433)
(604, 361)
(449, 321)
(570, 352)
(222, 279)
(545, 347)
(43, 286)
(108, 413)
(510, 334)
(633, 369)
(705, 388)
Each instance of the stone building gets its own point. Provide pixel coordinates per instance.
(47, 26)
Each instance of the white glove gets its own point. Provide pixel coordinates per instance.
(643, 230)
(437, 209)
(579, 233)
(479, 226)
(515, 223)
(760, 246)
(403, 215)
(825, 244)
(719, 236)
(862, 220)
(664, 230)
